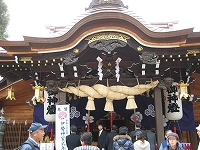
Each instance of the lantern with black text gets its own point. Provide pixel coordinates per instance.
(173, 105)
(50, 100)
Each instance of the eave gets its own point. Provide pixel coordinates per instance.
(95, 23)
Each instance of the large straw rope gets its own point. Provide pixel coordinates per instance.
(110, 93)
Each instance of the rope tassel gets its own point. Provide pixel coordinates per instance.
(131, 104)
(90, 104)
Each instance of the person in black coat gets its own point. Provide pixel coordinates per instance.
(73, 140)
(109, 137)
(151, 138)
(137, 128)
(101, 138)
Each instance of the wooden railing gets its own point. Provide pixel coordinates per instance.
(14, 135)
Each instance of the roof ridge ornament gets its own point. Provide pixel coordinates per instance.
(99, 3)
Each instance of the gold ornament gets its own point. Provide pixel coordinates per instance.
(11, 94)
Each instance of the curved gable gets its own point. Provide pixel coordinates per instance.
(109, 21)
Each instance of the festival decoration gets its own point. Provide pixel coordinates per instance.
(111, 118)
(109, 105)
(173, 105)
(137, 116)
(117, 68)
(11, 94)
(88, 119)
(62, 73)
(100, 68)
(38, 97)
(50, 101)
(110, 93)
(131, 103)
(183, 91)
(62, 125)
(165, 120)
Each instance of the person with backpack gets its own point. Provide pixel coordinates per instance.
(36, 134)
(123, 140)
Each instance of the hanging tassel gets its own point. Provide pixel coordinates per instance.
(111, 118)
(131, 103)
(88, 129)
(109, 105)
(90, 104)
(174, 126)
(109, 102)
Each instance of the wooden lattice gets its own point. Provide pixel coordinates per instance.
(14, 135)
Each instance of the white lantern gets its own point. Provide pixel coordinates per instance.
(174, 115)
(48, 117)
(173, 108)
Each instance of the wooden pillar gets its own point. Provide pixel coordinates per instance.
(159, 116)
(194, 140)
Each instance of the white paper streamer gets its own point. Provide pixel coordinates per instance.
(117, 68)
(100, 68)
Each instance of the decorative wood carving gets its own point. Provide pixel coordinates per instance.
(107, 41)
(107, 45)
(149, 58)
(70, 58)
(51, 86)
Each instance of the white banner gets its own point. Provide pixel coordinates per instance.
(46, 146)
(62, 126)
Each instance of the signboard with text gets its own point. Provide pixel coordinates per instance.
(62, 126)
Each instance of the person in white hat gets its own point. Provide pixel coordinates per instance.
(198, 132)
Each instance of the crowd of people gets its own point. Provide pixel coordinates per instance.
(123, 140)
(116, 139)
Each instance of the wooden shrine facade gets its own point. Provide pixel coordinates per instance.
(107, 33)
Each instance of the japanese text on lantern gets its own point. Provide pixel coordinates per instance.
(172, 99)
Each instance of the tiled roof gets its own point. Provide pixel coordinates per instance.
(112, 9)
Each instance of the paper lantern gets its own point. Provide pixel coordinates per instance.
(50, 101)
(174, 114)
(173, 105)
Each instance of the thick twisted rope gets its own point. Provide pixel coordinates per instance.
(110, 93)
